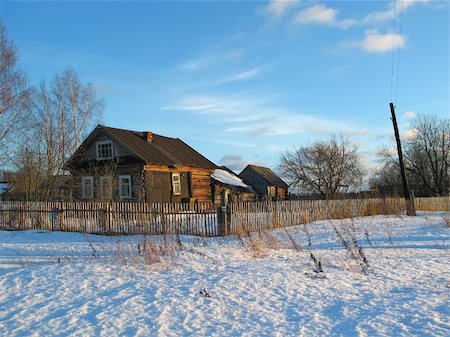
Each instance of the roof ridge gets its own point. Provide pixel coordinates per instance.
(134, 131)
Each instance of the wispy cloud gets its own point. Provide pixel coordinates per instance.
(257, 115)
(241, 76)
(195, 64)
(211, 59)
(277, 8)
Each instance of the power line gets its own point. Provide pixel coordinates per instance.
(384, 119)
(393, 50)
(398, 58)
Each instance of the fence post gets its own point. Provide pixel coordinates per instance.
(54, 217)
(108, 218)
(103, 220)
(223, 213)
(411, 207)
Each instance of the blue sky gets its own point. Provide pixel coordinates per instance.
(241, 81)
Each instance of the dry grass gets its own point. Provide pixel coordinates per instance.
(257, 243)
(147, 251)
(447, 221)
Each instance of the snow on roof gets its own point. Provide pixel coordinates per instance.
(228, 178)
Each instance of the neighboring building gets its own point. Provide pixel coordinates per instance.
(226, 182)
(266, 183)
(116, 164)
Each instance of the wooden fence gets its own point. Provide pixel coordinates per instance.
(268, 215)
(111, 218)
(205, 219)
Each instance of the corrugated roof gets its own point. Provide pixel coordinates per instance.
(268, 175)
(160, 151)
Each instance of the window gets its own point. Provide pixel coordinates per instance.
(176, 184)
(125, 187)
(105, 191)
(87, 187)
(104, 150)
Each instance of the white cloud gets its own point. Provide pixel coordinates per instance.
(375, 42)
(409, 134)
(379, 43)
(394, 7)
(321, 14)
(278, 8)
(324, 15)
(316, 14)
(409, 115)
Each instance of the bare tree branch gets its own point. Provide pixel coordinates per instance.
(327, 167)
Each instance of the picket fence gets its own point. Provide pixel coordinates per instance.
(111, 218)
(204, 219)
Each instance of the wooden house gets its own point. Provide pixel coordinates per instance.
(226, 183)
(265, 182)
(116, 164)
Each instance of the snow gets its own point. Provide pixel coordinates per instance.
(228, 178)
(69, 284)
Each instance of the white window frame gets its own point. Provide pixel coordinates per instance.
(101, 185)
(176, 184)
(85, 192)
(122, 196)
(97, 149)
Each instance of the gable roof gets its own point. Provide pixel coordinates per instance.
(160, 151)
(268, 175)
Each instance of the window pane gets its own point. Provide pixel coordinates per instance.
(176, 183)
(87, 187)
(104, 150)
(125, 186)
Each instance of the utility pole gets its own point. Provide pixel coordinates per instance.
(409, 201)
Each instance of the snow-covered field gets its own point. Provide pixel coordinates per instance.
(69, 284)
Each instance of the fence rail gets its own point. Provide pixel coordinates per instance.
(205, 219)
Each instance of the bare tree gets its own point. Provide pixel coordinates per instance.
(29, 174)
(386, 180)
(63, 114)
(426, 156)
(13, 92)
(327, 167)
